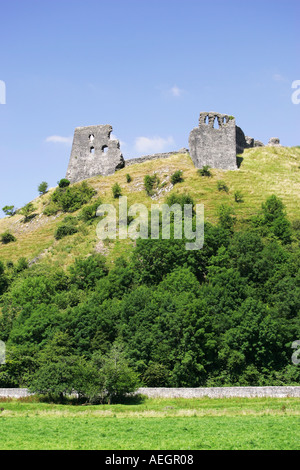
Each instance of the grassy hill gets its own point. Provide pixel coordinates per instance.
(263, 171)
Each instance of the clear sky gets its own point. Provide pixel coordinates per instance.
(147, 67)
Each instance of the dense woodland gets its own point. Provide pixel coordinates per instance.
(223, 315)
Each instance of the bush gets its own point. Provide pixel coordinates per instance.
(28, 211)
(43, 187)
(180, 199)
(88, 213)
(66, 227)
(116, 190)
(70, 199)
(117, 378)
(177, 177)
(51, 209)
(273, 219)
(7, 237)
(21, 265)
(86, 272)
(128, 178)
(149, 183)
(204, 171)
(238, 196)
(63, 183)
(226, 217)
(222, 186)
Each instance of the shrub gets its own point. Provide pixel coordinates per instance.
(21, 265)
(67, 227)
(70, 199)
(51, 209)
(63, 183)
(204, 171)
(149, 183)
(116, 190)
(177, 177)
(85, 273)
(180, 199)
(88, 213)
(238, 196)
(117, 378)
(7, 237)
(226, 217)
(128, 178)
(272, 209)
(27, 211)
(222, 186)
(43, 187)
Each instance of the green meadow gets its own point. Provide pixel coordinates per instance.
(153, 424)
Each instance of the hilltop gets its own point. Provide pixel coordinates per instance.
(263, 171)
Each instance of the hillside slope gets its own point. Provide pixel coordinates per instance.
(263, 171)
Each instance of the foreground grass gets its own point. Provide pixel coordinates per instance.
(179, 424)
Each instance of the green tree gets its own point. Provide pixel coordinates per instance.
(86, 272)
(226, 217)
(117, 378)
(64, 376)
(9, 210)
(43, 188)
(273, 220)
(3, 279)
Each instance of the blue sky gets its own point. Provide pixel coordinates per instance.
(147, 68)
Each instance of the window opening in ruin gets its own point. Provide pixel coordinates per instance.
(91, 137)
(104, 149)
(216, 123)
(92, 150)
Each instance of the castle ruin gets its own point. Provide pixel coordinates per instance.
(216, 142)
(213, 142)
(94, 153)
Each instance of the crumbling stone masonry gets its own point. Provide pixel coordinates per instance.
(214, 141)
(94, 153)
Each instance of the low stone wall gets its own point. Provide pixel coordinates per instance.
(14, 393)
(155, 156)
(221, 392)
(211, 392)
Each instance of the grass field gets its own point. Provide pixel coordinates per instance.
(153, 424)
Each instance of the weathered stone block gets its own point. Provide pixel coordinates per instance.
(274, 142)
(214, 142)
(93, 153)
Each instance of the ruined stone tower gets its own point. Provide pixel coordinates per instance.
(93, 153)
(214, 141)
